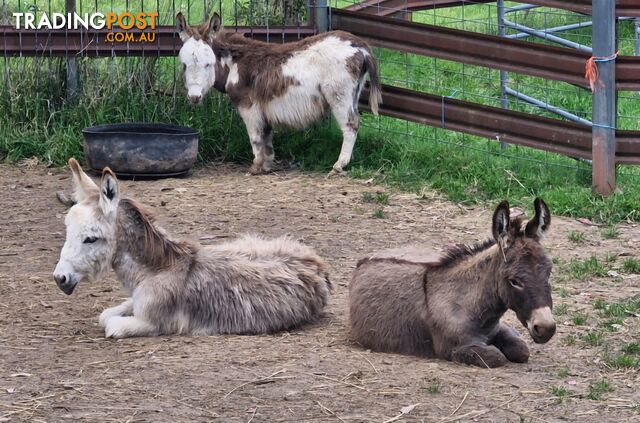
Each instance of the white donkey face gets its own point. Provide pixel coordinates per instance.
(91, 230)
(198, 60)
(197, 56)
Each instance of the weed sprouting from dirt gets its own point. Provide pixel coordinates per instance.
(576, 237)
(598, 389)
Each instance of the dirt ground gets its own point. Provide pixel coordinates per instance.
(55, 364)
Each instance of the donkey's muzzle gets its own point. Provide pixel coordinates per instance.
(195, 99)
(65, 284)
(541, 325)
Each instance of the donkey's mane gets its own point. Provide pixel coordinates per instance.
(154, 247)
(461, 251)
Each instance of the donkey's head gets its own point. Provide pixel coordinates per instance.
(197, 56)
(525, 270)
(91, 229)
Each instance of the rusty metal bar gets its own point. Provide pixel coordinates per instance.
(93, 43)
(524, 57)
(568, 138)
(390, 7)
(624, 8)
(628, 73)
(558, 63)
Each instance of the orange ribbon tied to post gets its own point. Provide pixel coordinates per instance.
(591, 73)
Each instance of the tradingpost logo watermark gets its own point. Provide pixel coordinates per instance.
(120, 26)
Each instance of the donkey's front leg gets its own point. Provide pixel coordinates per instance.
(128, 326)
(479, 354)
(254, 122)
(124, 309)
(511, 344)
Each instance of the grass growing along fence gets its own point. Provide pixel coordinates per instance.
(36, 120)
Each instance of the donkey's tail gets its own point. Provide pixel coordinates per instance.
(375, 93)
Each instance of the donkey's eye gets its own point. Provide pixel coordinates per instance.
(90, 240)
(516, 283)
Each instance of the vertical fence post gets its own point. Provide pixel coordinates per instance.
(603, 133)
(637, 22)
(504, 77)
(72, 66)
(322, 15)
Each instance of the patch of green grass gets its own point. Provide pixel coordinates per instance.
(593, 338)
(378, 197)
(623, 361)
(610, 232)
(576, 237)
(569, 340)
(580, 319)
(631, 348)
(433, 387)
(613, 324)
(378, 214)
(560, 309)
(587, 268)
(622, 309)
(598, 389)
(563, 292)
(560, 392)
(564, 372)
(600, 304)
(631, 265)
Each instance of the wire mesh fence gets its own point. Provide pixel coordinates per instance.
(492, 87)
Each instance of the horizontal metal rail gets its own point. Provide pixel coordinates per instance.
(568, 138)
(551, 62)
(93, 43)
(390, 7)
(624, 8)
(467, 47)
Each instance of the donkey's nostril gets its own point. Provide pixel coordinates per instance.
(536, 330)
(60, 279)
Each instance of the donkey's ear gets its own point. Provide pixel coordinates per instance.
(109, 193)
(182, 27)
(213, 27)
(83, 186)
(500, 226)
(537, 226)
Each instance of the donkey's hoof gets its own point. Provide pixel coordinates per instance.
(336, 172)
(256, 170)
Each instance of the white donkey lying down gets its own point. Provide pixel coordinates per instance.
(247, 286)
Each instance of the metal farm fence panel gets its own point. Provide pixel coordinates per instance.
(419, 27)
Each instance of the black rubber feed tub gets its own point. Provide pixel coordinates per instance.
(150, 150)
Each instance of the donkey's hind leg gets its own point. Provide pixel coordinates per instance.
(511, 344)
(128, 326)
(267, 148)
(348, 119)
(123, 309)
(479, 355)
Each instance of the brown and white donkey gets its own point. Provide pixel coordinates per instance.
(280, 85)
